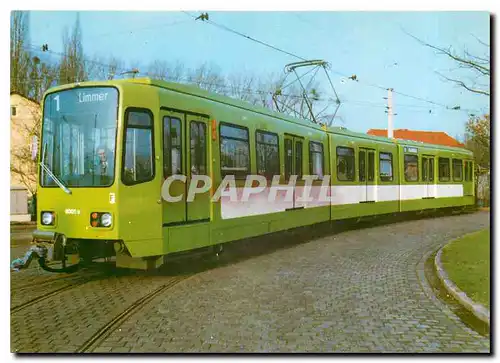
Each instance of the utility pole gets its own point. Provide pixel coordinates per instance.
(390, 124)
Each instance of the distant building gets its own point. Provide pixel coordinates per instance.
(24, 115)
(429, 137)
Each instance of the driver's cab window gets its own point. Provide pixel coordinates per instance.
(138, 164)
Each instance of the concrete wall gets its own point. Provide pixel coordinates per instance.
(19, 205)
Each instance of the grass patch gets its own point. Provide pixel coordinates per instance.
(467, 262)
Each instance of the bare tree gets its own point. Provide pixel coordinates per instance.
(42, 77)
(208, 77)
(163, 70)
(21, 163)
(19, 56)
(478, 66)
(101, 68)
(159, 70)
(242, 87)
(72, 68)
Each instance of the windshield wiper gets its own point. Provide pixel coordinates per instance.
(51, 174)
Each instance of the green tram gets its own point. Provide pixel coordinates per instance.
(107, 147)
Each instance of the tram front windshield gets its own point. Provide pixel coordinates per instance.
(78, 143)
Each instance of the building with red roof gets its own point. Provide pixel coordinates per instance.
(429, 137)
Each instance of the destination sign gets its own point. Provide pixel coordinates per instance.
(410, 149)
(92, 97)
(82, 99)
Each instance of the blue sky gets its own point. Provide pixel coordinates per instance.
(367, 44)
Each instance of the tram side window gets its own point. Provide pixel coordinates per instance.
(172, 148)
(385, 166)
(234, 150)
(457, 170)
(411, 168)
(268, 161)
(316, 158)
(471, 170)
(138, 165)
(444, 169)
(198, 148)
(345, 163)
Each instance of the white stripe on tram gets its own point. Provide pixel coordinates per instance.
(258, 204)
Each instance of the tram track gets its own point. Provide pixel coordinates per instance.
(101, 335)
(51, 280)
(45, 296)
(71, 282)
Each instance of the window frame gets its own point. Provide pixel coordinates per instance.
(431, 176)
(425, 174)
(379, 168)
(295, 143)
(126, 127)
(198, 123)
(461, 169)
(322, 158)
(181, 144)
(257, 142)
(368, 153)
(288, 170)
(13, 111)
(362, 161)
(337, 163)
(439, 169)
(249, 169)
(404, 168)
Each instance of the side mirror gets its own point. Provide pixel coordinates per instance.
(34, 147)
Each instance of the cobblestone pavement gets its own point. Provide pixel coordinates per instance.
(357, 291)
(65, 322)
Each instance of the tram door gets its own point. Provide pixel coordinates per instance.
(367, 175)
(198, 168)
(468, 178)
(428, 162)
(185, 154)
(294, 163)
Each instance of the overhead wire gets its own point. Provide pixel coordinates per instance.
(243, 90)
(223, 27)
(381, 87)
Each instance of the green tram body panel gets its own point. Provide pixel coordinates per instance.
(150, 226)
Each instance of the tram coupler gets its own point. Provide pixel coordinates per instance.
(48, 246)
(36, 251)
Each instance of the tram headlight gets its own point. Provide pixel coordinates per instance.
(106, 219)
(48, 218)
(101, 219)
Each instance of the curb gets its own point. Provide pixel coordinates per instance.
(480, 311)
